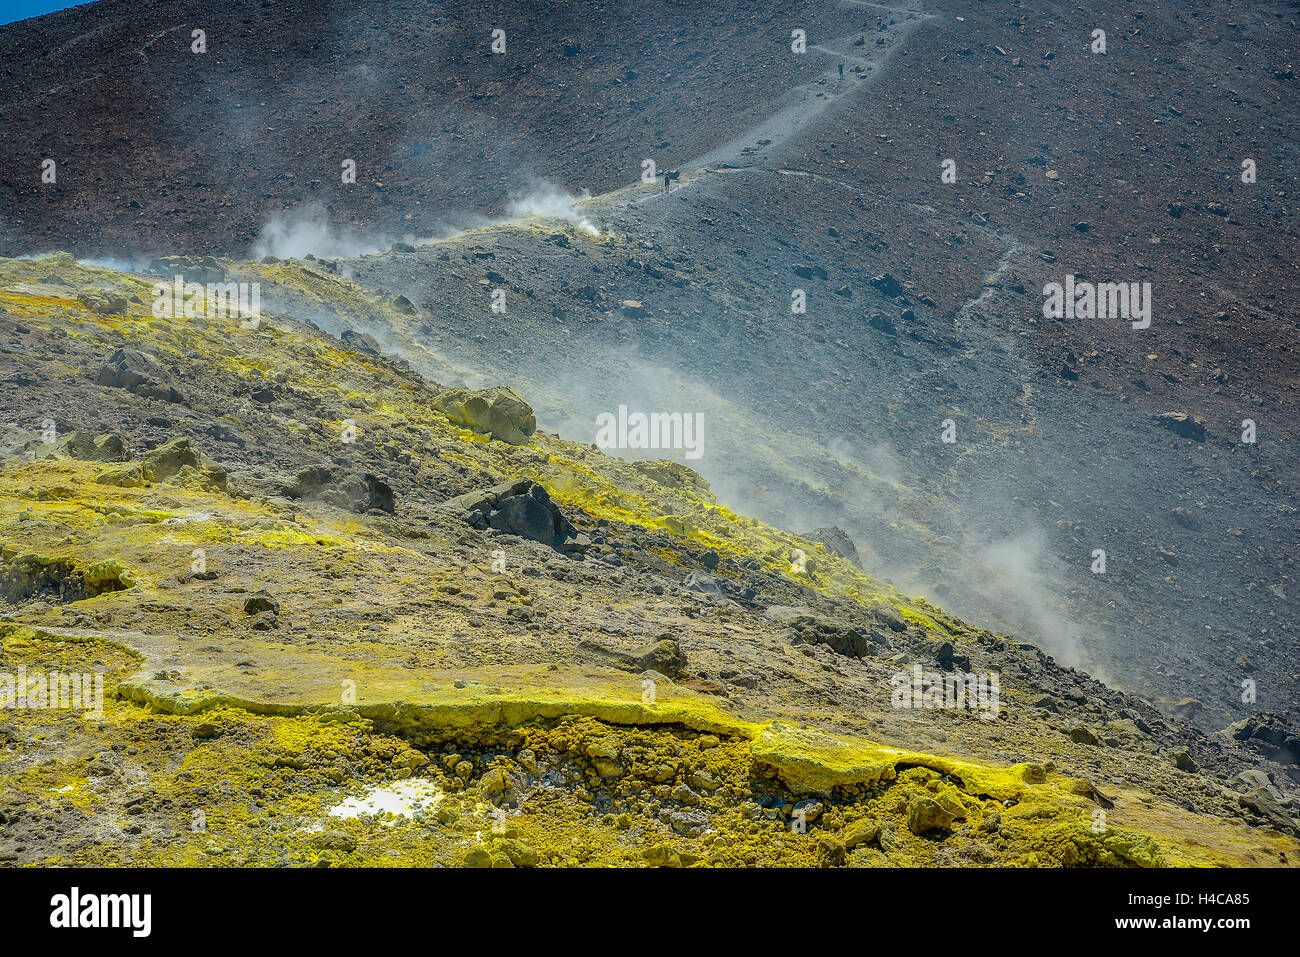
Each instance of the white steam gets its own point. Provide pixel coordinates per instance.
(292, 234)
(545, 200)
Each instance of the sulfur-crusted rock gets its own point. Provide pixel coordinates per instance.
(89, 447)
(103, 301)
(27, 576)
(478, 857)
(334, 841)
(500, 412)
(674, 475)
(128, 476)
(860, 833)
(180, 462)
(926, 814)
(502, 787)
(661, 855)
(830, 852)
(518, 853)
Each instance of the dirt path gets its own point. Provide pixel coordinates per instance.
(796, 112)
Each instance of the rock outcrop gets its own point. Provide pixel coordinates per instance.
(500, 413)
(522, 508)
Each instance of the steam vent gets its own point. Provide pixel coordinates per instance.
(687, 435)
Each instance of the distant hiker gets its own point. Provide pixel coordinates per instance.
(841, 70)
(669, 176)
(880, 24)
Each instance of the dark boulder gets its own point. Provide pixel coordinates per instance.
(1270, 732)
(837, 542)
(888, 286)
(135, 372)
(705, 584)
(523, 508)
(356, 492)
(844, 638)
(1184, 424)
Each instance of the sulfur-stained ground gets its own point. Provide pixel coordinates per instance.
(272, 651)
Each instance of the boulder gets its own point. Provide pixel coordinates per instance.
(520, 507)
(180, 462)
(1262, 801)
(673, 475)
(361, 342)
(1272, 733)
(500, 413)
(946, 655)
(103, 301)
(356, 492)
(129, 476)
(704, 584)
(888, 286)
(135, 372)
(1184, 424)
(1082, 734)
(261, 601)
(842, 637)
(861, 834)
(664, 656)
(89, 447)
(200, 269)
(926, 814)
(837, 542)
(889, 616)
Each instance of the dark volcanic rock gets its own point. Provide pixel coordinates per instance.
(135, 372)
(837, 542)
(705, 584)
(842, 637)
(1272, 733)
(356, 492)
(522, 508)
(259, 602)
(1184, 424)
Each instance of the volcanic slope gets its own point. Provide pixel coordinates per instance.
(924, 297)
(269, 542)
(921, 312)
(838, 416)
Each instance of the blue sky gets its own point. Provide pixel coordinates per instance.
(11, 10)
